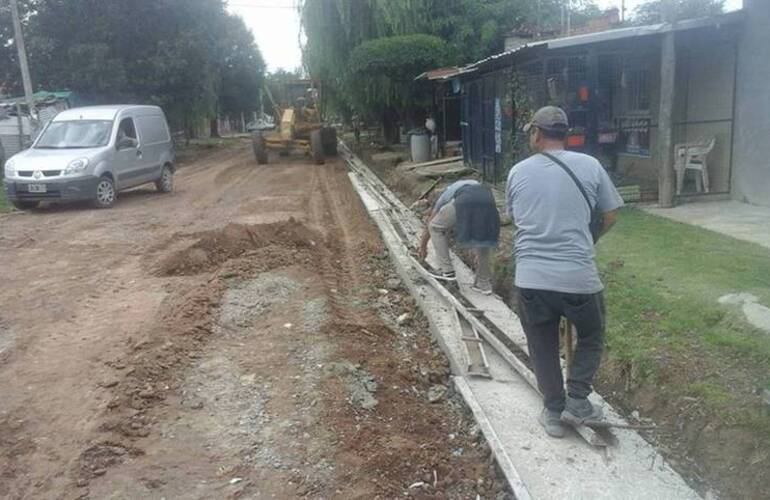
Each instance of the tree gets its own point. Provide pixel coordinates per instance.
(657, 11)
(471, 29)
(189, 56)
(242, 70)
(276, 84)
(10, 74)
(384, 71)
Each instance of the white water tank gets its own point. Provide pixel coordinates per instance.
(419, 144)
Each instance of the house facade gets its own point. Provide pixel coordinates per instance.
(633, 95)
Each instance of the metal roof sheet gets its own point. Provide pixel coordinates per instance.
(615, 34)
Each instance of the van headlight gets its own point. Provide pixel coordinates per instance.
(76, 166)
(9, 170)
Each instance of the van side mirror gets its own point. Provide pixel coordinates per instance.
(127, 143)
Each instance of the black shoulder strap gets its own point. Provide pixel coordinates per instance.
(573, 176)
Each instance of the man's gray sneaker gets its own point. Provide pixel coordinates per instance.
(482, 291)
(550, 421)
(579, 411)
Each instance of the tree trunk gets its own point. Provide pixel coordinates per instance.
(390, 126)
(214, 127)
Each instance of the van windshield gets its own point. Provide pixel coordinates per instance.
(75, 134)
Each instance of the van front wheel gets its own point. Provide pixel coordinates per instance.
(105, 193)
(166, 182)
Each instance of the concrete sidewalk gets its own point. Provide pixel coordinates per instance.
(506, 406)
(732, 218)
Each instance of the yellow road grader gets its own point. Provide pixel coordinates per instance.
(300, 127)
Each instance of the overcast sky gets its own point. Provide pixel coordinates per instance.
(275, 24)
(631, 4)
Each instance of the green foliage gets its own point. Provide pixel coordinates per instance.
(381, 76)
(189, 56)
(471, 29)
(5, 206)
(656, 11)
(10, 75)
(275, 82)
(384, 68)
(243, 71)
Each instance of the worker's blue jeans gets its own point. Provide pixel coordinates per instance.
(540, 312)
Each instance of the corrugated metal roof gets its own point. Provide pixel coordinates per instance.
(443, 74)
(39, 96)
(614, 34)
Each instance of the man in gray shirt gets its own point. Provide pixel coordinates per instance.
(556, 273)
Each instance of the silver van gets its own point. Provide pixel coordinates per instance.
(92, 153)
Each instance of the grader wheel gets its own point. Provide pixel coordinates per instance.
(329, 140)
(260, 149)
(316, 147)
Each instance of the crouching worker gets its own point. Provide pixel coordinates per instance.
(467, 209)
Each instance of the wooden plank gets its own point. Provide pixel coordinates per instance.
(434, 162)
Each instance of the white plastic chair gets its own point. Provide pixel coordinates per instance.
(692, 156)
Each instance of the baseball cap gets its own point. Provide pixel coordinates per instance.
(548, 118)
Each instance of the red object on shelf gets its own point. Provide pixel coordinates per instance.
(583, 94)
(576, 140)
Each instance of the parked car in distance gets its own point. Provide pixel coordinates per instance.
(92, 153)
(265, 123)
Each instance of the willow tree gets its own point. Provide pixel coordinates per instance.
(471, 29)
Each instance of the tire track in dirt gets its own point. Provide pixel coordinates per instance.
(99, 400)
(344, 222)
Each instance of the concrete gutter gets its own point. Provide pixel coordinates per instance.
(506, 407)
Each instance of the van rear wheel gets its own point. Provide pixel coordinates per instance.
(166, 182)
(105, 193)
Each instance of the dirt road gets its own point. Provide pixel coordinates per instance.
(237, 338)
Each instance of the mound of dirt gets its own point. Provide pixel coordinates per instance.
(95, 460)
(215, 247)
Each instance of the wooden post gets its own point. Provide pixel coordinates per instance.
(20, 122)
(18, 40)
(666, 176)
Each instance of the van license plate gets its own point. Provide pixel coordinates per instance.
(36, 188)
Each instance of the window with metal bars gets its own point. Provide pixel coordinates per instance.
(635, 82)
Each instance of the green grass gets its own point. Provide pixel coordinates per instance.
(5, 205)
(713, 394)
(663, 280)
(668, 335)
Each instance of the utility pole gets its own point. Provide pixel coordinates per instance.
(623, 11)
(18, 39)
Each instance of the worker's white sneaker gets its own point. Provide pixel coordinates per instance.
(444, 276)
(551, 422)
(579, 411)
